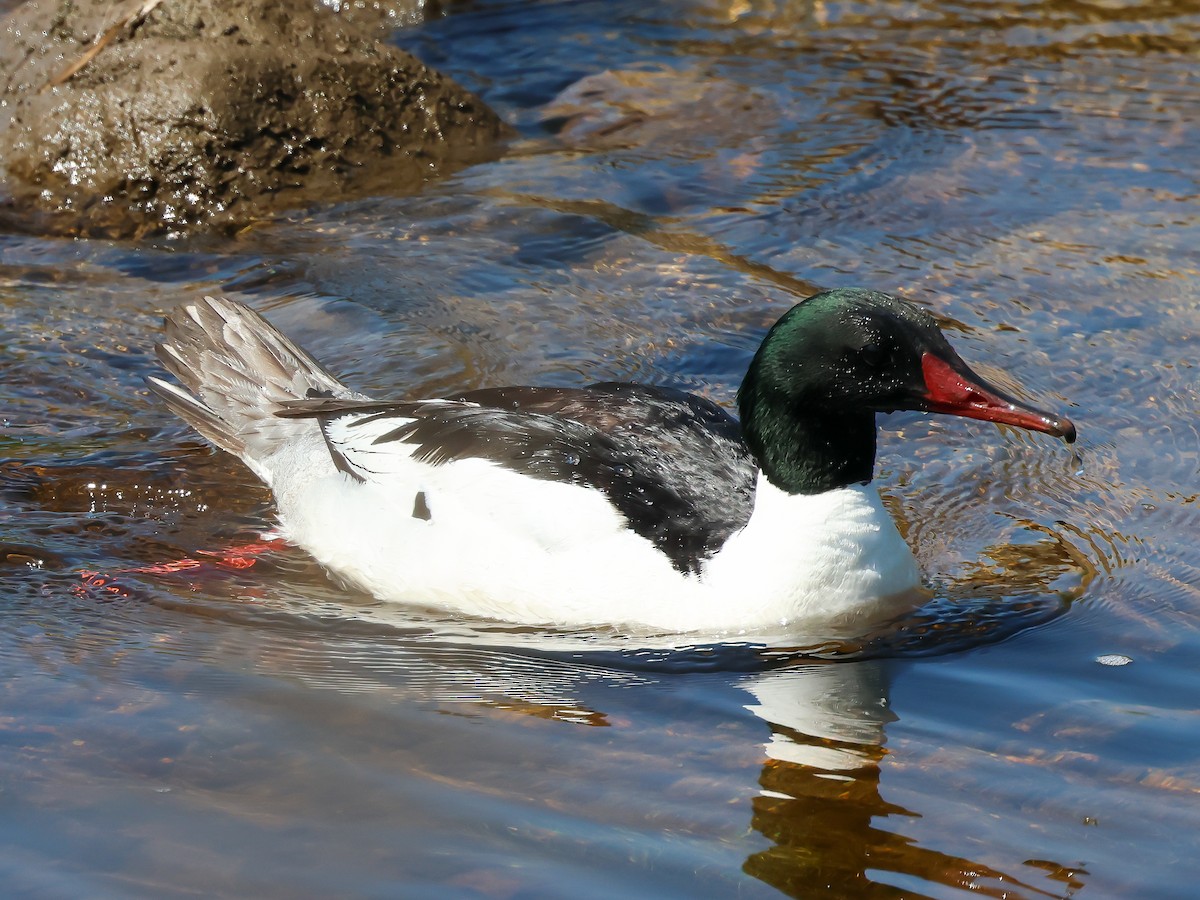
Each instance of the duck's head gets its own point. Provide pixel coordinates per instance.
(809, 399)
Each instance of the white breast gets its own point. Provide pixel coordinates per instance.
(833, 557)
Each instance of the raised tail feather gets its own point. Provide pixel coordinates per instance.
(235, 369)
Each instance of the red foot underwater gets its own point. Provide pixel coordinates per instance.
(241, 556)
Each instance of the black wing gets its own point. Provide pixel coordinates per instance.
(673, 464)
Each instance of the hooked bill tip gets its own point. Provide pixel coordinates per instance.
(1066, 429)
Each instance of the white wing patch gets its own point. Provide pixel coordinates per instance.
(354, 441)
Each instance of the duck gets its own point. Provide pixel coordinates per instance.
(617, 505)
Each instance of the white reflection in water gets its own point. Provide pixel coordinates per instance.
(825, 717)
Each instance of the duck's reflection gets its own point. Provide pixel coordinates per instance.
(826, 717)
(820, 803)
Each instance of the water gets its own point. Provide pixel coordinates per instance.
(686, 170)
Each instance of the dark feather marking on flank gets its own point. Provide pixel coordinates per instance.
(673, 464)
(340, 462)
(421, 507)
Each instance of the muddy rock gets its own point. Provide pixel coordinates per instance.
(200, 112)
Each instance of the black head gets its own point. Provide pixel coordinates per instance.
(831, 362)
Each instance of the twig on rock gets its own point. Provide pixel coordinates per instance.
(131, 20)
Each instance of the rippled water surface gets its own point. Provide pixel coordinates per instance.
(685, 172)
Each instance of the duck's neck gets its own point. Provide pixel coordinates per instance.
(803, 452)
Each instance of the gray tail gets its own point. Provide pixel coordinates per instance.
(234, 369)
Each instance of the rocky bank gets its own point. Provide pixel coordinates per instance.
(205, 113)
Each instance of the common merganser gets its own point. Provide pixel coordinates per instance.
(617, 504)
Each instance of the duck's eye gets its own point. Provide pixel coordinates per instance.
(873, 355)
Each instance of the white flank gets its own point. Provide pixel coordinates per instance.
(505, 546)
